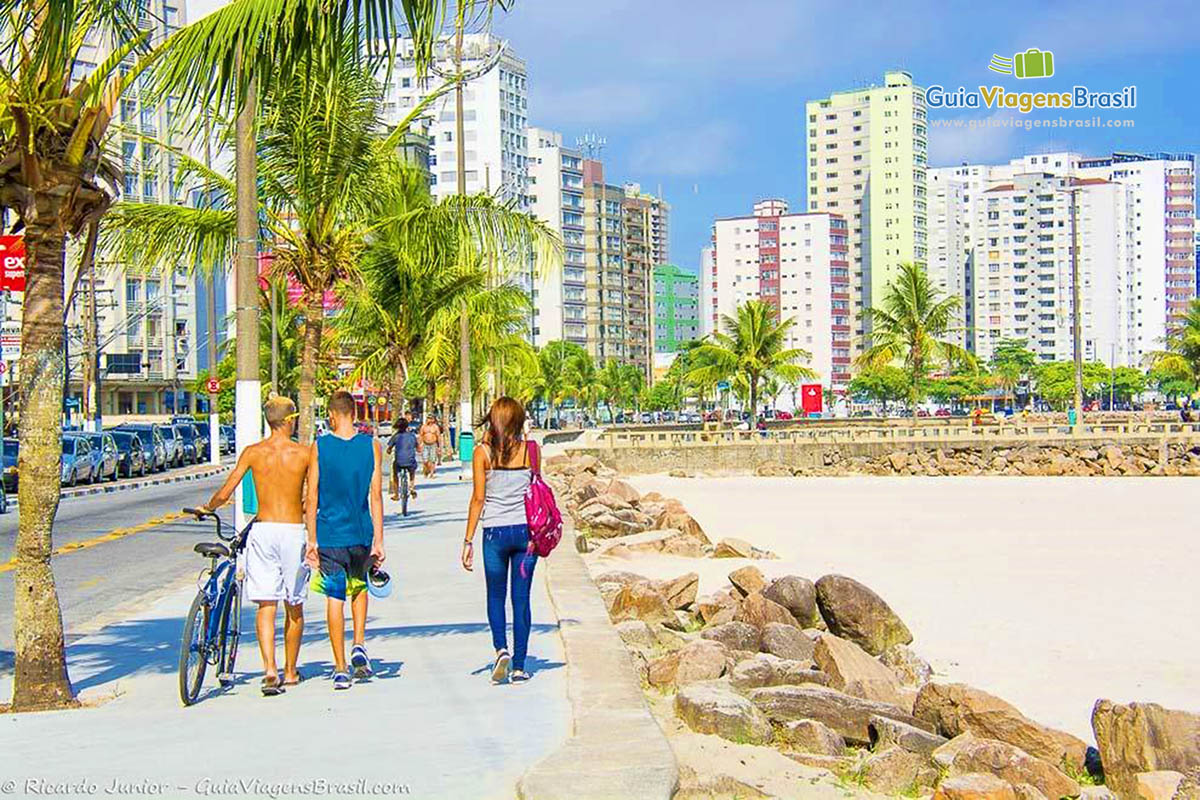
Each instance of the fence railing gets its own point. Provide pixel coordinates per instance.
(925, 434)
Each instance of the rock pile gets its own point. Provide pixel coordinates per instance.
(1107, 459)
(613, 518)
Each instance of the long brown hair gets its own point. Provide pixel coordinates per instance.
(505, 428)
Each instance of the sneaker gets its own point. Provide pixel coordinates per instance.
(360, 662)
(518, 676)
(500, 668)
(341, 680)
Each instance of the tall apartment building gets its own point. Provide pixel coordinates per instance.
(556, 197)
(149, 329)
(1162, 195)
(798, 263)
(645, 221)
(866, 161)
(1022, 285)
(708, 290)
(676, 308)
(657, 214)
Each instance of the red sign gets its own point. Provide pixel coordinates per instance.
(810, 398)
(214, 386)
(295, 292)
(12, 263)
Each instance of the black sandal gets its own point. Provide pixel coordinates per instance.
(271, 686)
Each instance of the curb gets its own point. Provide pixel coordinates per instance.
(616, 748)
(109, 488)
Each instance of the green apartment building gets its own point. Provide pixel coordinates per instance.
(676, 308)
(866, 160)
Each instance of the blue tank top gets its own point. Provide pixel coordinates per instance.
(344, 483)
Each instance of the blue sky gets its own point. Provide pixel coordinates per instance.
(707, 98)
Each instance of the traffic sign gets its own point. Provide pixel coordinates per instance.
(12, 263)
(723, 386)
(214, 386)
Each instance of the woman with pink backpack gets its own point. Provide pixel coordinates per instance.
(520, 523)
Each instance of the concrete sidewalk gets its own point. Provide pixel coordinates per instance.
(429, 725)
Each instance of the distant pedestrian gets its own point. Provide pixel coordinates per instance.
(501, 471)
(430, 437)
(344, 511)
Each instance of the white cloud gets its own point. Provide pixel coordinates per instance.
(705, 149)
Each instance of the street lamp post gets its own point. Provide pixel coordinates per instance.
(248, 391)
(1076, 310)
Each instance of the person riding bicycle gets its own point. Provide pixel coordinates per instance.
(403, 446)
(275, 568)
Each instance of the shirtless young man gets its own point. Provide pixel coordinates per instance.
(275, 568)
(430, 437)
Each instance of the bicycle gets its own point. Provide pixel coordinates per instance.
(213, 626)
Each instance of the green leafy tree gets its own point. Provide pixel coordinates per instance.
(555, 362)
(583, 382)
(1056, 381)
(1176, 369)
(883, 384)
(910, 328)
(751, 347)
(1012, 361)
(1123, 384)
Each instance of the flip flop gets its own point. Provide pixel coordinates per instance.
(292, 683)
(271, 686)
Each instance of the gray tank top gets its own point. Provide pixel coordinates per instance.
(504, 495)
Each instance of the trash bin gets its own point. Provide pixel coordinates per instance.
(466, 446)
(1071, 418)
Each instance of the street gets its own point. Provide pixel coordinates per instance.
(101, 577)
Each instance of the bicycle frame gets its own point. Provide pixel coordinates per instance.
(217, 594)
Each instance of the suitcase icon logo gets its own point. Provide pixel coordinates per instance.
(1033, 63)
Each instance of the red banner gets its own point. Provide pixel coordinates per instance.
(295, 293)
(810, 398)
(12, 263)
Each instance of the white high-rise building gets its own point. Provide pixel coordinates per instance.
(495, 108)
(799, 264)
(1162, 196)
(708, 290)
(1022, 275)
(556, 197)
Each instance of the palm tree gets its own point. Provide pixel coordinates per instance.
(583, 382)
(752, 347)
(909, 327)
(1181, 358)
(553, 379)
(612, 386)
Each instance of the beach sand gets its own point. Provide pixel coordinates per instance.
(1050, 593)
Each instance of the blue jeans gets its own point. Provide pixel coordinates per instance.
(504, 549)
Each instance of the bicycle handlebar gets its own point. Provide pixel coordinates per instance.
(200, 513)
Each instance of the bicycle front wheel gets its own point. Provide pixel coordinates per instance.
(404, 491)
(192, 657)
(231, 633)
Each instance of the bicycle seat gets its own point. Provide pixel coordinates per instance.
(212, 549)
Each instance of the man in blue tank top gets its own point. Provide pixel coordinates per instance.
(344, 517)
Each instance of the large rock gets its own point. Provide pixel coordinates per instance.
(680, 592)
(733, 548)
(1158, 785)
(1143, 737)
(640, 600)
(765, 669)
(969, 753)
(623, 490)
(853, 671)
(734, 635)
(747, 580)
(666, 540)
(758, 611)
(787, 642)
(849, 716)
(974, 786)
(854, 612)
(893, 770)
(675, 516)
(812, 737)
(955, 709)
(886, 732)
(635, 633)
(712, 707)
(910, 668)
(619, 577)
(798, 595)
(700, 660)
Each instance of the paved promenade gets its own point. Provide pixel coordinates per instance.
(429, 725)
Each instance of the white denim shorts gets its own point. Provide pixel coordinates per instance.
(274, 561)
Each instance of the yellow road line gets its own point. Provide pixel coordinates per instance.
(111, 536)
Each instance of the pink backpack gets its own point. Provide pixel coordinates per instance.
(541, 511)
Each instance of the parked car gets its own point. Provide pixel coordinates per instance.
(195, 442)
(784, 415)
(942, 412)
(76, 461)
(153, 441)
(104, 455)
(228, 438)
(175, 453)
(11, 451)
(133, 458)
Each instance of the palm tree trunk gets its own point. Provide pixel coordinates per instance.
(314, 321)
(398, 380)
(753, 401)
(41, 679)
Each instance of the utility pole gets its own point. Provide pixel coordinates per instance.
(89, 368)
(274, 338)
(249, 386)
(1076, 312)
(214, 414)
(464, 333)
